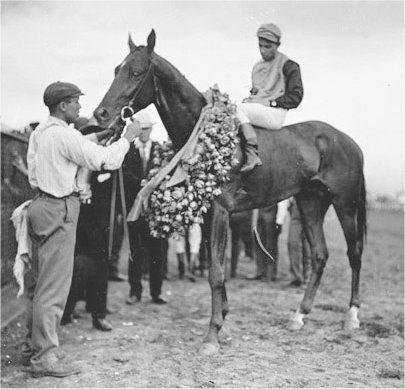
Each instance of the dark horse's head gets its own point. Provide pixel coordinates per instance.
(144, 78)
(133, 84)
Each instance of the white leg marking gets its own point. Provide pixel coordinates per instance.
(208, 349)
(297, 321)
(352, 322)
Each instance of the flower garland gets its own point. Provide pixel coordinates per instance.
(173, 209)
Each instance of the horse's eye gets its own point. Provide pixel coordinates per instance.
(134, 73)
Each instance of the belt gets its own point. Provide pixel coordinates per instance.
(45, 194)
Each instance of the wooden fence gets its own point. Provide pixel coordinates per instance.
(15, 189)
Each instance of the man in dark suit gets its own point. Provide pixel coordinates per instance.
(146, 251)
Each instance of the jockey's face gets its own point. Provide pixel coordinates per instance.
(268, 49)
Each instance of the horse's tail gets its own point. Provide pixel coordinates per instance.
(362, 212)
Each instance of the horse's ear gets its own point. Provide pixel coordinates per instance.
(131, 44)
(151, 41)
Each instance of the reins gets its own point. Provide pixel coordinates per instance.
(125, 119)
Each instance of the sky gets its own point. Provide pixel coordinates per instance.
(351, 55)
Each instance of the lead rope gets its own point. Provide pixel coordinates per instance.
(112, 214)
(124, 209)
(126, 114)
(127, 120)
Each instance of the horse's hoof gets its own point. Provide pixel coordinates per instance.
(208, 349)
(297, 322)
(352, 322)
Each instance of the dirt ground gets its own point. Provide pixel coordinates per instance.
(157, 346)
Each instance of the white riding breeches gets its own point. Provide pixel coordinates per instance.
(260, 115)
(194, 238)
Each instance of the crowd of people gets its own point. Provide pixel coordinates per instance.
(67, 267)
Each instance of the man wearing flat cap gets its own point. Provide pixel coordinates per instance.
(276, 88)
(56, 151)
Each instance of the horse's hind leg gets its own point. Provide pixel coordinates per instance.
(313, 204)
(215, 236)
(354, 238)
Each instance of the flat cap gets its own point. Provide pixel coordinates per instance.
(59, 91)
(270, 32)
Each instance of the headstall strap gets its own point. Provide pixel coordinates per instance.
(126, 114)
(132, 101)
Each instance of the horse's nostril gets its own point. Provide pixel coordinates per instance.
(102, 113)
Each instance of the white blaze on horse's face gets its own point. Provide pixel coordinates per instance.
(130, 77)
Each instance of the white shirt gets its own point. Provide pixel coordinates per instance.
(56, 151)
(144, 151)
(146, 147)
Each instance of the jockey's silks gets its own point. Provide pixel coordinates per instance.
(268, 80)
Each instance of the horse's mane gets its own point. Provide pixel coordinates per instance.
(170, 72)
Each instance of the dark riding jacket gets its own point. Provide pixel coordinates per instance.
(294, 90)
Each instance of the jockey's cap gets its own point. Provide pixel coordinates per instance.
(145, 119)
(270, 32)
(59, 91)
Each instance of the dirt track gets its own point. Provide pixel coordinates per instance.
(154, 346)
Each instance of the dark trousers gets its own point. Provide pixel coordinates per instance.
(118, 238)
(89, 283)
(298, 247)
(266, 227)
(90, 270)
(147, 252)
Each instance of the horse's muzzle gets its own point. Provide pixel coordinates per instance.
(102, 116)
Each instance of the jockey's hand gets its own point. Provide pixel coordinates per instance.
(132, 130)
(254, 91)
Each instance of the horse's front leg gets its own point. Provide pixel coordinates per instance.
(215, 236)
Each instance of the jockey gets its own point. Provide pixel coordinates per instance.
(276, 88)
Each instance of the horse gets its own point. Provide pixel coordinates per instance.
(313, 161)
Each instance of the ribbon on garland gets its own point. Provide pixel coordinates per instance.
(140, 204)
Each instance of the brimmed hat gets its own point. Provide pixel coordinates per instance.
(59, 91)
(270, 32)
(145, 119)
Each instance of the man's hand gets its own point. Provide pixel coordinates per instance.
(132, 130)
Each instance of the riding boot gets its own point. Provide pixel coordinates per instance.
(252, 156)
(180, 259)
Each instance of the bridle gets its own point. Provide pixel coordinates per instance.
(126, 114)
(127, 111)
